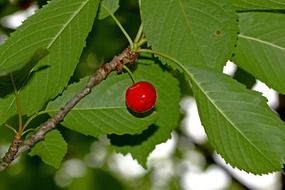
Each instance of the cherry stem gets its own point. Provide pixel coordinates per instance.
(130, 73)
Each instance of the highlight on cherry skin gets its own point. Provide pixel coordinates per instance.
(141, 97)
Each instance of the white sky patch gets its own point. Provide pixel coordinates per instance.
(13, 21)
(160, 161)
(270, 94)
(126, 166)
(214, 178)
(258, 182)
(162, 173)
(73, 168)
(97, 155)
(229, 68)
(163, 150)
(191, 124)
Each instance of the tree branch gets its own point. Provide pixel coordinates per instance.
(16, 148)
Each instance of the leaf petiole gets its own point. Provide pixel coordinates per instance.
(18, 104)
(140, 39)
(11, 128)
(180, 65)
(141, 42)
(139, 34)
(25, 132)
(120, 26)
(32, 118)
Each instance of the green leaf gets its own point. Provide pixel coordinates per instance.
(167, 106)
(29, 64)
(238, 122)
(107, 7)
(194, 32)
(52, 149)
(103, 111)
(261, 48)
(20, 75)
(244, 5)
(60, 27)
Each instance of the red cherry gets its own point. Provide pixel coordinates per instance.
(141, 97)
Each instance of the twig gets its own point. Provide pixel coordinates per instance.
(17, 148)
(11, 153)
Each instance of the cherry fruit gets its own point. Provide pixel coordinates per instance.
(141, 97)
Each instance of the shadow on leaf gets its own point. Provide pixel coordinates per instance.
(132, 140)
(21, 75)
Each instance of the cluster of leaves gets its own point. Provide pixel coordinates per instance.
(197, 37)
